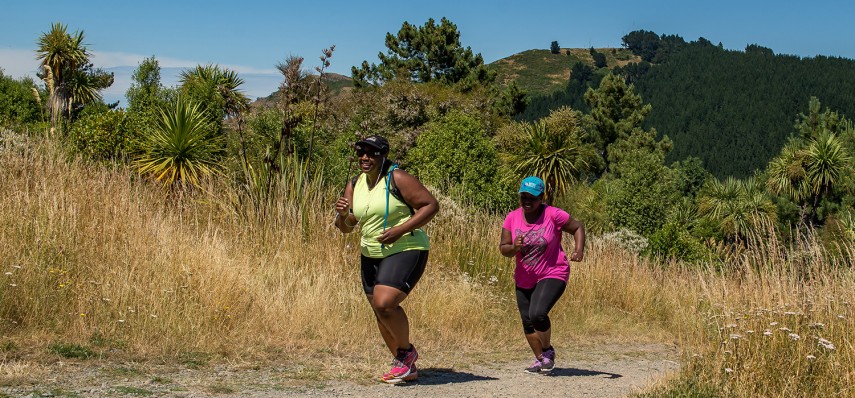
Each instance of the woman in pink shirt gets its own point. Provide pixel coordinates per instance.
(532, 234)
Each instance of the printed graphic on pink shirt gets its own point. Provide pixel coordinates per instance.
(534, 245)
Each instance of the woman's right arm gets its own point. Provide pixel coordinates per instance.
(509, 246)
(345, 221)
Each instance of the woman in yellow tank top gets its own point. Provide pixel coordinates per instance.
(390, 206)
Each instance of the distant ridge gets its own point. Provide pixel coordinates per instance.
(732, 109)
(540, 72)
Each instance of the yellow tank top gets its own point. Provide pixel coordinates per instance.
(369, 207)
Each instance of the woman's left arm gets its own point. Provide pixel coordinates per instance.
(578, 230)
(419, 198)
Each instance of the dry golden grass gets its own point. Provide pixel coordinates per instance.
(102, 259)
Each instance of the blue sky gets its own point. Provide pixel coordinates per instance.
(251, 37)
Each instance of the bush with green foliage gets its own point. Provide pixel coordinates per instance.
(20, 101)
(673, 241)
(100, 135)
(455, 155)
(146, 96)
(640, 197)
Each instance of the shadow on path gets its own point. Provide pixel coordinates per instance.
(439, 376)
(582, 372)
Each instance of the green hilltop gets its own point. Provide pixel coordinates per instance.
(540, 72)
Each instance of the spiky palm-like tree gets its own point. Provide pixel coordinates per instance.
(80, 87)
(557, 155)
(827, 161)
(787, 172)
(61, 54)
(737, 206)
(807, 170)
(218, 85)
(183, 148)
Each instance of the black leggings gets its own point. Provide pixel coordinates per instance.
(535, 303)
(400, 270)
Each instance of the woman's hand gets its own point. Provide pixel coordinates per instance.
(391, 235)
(519, 243)
(342, 207)
(576, 256)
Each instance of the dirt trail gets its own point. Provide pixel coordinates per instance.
(601, 371)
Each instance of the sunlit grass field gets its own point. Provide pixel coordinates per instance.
(99, 263)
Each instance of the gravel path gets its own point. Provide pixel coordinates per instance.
(599, 371)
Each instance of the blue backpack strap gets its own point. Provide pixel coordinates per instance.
(386, 216)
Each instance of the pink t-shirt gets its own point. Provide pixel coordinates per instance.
(542, 256)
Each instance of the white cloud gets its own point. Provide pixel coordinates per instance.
(258, 82)
(18, 63)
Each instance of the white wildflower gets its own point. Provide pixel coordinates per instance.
(784, 329)
(16, 266)
(731, 325)
(728, 370)
(735, 337)
(811, 357)
(8, 273)
(767, 332)
(794, 336)
(773, 324)
(790, 313)
(826, 344)
(817, 325)
(749, 331)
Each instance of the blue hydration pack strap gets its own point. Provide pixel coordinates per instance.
(386, 216)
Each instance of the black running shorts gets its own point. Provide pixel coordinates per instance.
(400, 270)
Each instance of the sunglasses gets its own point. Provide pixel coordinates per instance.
(360, 152)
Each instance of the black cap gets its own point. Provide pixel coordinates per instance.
(376, 141)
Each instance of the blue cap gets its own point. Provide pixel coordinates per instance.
(532, 185)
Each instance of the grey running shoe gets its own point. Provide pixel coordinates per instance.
(548, 362)
(535, 367)
(546, 365)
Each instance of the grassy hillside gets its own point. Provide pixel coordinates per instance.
(99, 264)
(540, 72)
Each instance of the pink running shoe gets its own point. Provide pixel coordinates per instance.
(403, 366)
(414, 374)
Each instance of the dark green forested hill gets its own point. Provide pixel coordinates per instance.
(732, 109)
(735, 109)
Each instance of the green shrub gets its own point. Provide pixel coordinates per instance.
(675, 242)
(18, 101)
(455, 155)
(100, 136)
